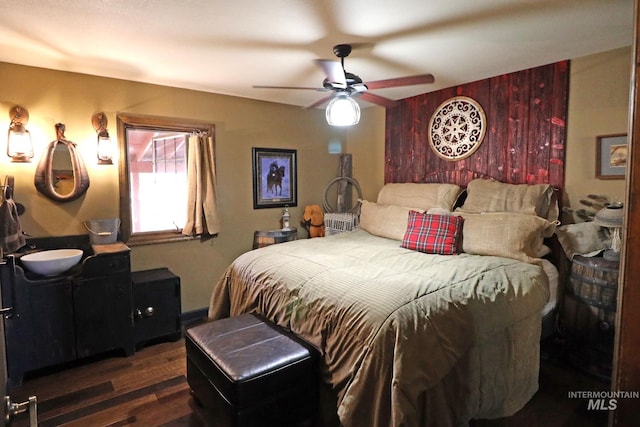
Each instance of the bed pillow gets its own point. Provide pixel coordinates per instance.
(508, 235)
(422, 196)
(433, 234)
(384, 220)
(487, 195)
(583, 238)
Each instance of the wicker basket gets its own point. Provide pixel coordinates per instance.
(336, 223)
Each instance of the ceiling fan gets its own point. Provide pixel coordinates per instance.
(343, 83)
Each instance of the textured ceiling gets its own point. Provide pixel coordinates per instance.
(228, 46)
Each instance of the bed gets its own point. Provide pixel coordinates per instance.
(410, 335)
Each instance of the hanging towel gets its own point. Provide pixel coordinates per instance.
(11, 236)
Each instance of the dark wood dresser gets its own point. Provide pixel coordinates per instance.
(80, 313)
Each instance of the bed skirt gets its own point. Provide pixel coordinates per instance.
(515, 376)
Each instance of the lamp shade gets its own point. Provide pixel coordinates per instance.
(19, 146)
(105, 149)
(610, 217)
(343, 110)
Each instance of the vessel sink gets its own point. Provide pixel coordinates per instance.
(52, 262)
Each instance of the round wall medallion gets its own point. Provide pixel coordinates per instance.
(457, 128)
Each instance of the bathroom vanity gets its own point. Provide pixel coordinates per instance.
(80, 313)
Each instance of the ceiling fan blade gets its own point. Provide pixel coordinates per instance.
(377, 99)
(319, 89)
(401, 81)
(318, 102)
(334, 72)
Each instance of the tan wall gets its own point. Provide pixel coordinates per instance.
(598, 105)
(365, 142)
(53, 97)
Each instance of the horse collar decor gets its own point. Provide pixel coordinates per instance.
(274, 178)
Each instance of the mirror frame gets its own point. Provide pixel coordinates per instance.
(136, 121)
(44, 181)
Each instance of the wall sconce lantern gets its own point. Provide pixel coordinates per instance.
(343, 110)
(19, 146)
(105, 145)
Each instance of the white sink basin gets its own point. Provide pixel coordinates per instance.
(53, 262)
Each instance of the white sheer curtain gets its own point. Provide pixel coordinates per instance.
(202, 214)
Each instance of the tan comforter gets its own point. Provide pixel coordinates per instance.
(407, 339)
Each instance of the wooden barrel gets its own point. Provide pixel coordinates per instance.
(266, 238)
(589, 312)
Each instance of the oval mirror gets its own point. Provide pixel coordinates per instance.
(61, 174)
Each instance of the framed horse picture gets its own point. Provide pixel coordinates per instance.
(274, 178)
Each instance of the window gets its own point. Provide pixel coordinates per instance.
(153, 177)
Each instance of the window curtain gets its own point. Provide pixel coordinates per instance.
(202, 214)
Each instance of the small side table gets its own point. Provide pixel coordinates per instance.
(156, 305)
(266, 238)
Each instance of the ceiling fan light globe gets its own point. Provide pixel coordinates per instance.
(343, 111)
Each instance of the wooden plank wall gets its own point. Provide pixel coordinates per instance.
(525, 139)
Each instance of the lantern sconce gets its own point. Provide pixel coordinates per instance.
(19, 146)
(105, 145)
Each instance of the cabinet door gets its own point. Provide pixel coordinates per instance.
(157, 309)
(103, 314)
(51, 324)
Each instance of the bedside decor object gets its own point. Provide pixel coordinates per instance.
(457, 128)
(612, 217)
(274, 178)
(286, 219)
(611, 156)
(19, 146)
(61, 174)
(105, 146)
(313, 221)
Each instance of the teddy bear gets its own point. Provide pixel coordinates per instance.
(313, 220)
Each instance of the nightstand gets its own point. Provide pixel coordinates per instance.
(266, 238)
(589, 311)
(156, 305)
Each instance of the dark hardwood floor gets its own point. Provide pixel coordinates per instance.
(150, 389)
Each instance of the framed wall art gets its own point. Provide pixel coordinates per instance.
(611, 156)
(274, 178)
(457, 128)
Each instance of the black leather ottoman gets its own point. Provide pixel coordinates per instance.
(245, 371)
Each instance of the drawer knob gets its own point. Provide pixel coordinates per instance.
(148, 312)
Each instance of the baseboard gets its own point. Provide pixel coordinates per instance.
(194, 316)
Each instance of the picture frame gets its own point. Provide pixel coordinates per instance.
(611, 156)
(275, 182)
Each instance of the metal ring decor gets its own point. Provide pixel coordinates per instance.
(325, 203)
(457, 128)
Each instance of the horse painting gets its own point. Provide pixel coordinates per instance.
(274, 179)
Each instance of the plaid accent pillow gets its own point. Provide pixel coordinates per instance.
(433, 234)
